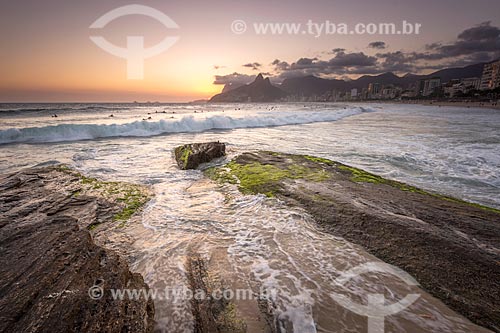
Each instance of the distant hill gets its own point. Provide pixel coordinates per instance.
(231, 86)
(260, 90)
(311, 85)
(384, 79)
(448, 74)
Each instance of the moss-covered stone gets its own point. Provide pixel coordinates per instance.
(263, 178)
(318, 159)
(130, 198)
(256, 177)
(134, 200)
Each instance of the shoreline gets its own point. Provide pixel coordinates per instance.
(482, 105)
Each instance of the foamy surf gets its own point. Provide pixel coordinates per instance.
(76, 132)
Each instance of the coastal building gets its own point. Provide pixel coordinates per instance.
(390, 92)
(409, 93)
(364, 94)
(461, 86)
(471, 83)
(491, 76)
(374, 90)
(428, 86)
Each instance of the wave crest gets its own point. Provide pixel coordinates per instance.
(75, 132)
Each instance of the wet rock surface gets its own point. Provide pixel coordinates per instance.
(211, 314)
(450, 246)
(49, 260)
(190, 156)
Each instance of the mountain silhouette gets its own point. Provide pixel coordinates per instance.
(260, 90)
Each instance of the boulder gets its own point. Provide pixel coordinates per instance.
(190, 156)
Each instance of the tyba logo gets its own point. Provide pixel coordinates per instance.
(134, 53)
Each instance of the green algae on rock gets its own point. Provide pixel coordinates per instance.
(182, 153)
(129, 198)
(257, 177)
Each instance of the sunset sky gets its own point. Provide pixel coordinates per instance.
(46, 53)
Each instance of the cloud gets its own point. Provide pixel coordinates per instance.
(479, 39)
(341, 64)
(483, 31)
(280, 65)
(253, 65)
(377, 45)
(480, 43)
(358, 59)
(216, 67)
(234, 78)
(397, 61)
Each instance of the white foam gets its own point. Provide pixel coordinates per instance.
(75, 132)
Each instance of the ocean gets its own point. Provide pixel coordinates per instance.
(451, 150)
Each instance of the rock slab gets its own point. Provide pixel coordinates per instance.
(190, 156)
(49, 261)
(450, 246)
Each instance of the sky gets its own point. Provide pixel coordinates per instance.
(47, 54)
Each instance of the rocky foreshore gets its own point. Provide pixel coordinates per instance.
(54, 224)
(50, 261)
(450, 246)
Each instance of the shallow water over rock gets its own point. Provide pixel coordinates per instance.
(259, 244)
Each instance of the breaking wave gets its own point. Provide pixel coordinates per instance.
(75, 132)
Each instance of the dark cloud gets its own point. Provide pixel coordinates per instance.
(477, 44)
(253, 65)
(483, 31)
(479, 39)
(280, 65)
(235, 78)
(397, 61)
(480, 43)
(352, 60)
(306, 61)
(338, 50)
(377, 45)
(342, 63)
(433, 46)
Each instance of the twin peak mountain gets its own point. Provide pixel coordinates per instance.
(261, 90)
